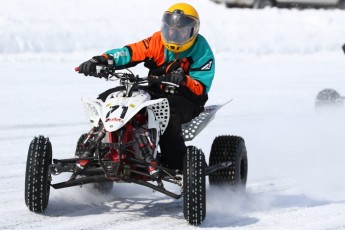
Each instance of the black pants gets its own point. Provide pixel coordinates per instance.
(172, 145)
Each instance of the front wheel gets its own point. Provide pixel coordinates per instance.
(37, 175)
(229, 149)
(194, 186)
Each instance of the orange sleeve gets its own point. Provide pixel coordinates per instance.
(149, 48)
(195, 86)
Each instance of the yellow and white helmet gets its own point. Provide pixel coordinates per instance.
(180, 26)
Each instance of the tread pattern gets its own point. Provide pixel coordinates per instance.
(194, 186)
(37, 178)
(229, 148)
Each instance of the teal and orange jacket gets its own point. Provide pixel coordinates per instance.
(201, 66)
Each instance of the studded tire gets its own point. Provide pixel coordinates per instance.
(103, 188)
(229, 149)
(37, 175)
(194, 186)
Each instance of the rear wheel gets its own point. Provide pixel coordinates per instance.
(103, 188)
(37, 175)
(194, 186)
(229, 149)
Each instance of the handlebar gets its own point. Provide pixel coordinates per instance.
(107, 72)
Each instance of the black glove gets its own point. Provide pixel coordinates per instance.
(177, 78)
(153, 79)
(89, 67)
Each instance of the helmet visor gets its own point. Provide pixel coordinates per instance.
(178, 28)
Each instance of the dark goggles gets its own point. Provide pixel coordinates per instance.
(178, 28)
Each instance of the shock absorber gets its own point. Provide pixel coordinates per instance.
(89, 135)
(143, 138)
(143, 147)
(151, 142)
(90, 150)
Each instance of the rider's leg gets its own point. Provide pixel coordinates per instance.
(172, 145)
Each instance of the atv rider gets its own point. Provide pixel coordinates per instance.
(180, 55)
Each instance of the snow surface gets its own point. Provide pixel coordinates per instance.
(272, 62)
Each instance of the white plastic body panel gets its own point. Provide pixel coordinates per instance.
(117, 110)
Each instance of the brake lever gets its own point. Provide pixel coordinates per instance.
(168, 83)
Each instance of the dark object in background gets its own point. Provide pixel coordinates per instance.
(329, 97)
(299, 4)
(344, 48)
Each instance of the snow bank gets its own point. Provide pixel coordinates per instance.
(38, 26)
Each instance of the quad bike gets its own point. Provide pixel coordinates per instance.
(329, 97)
(125, 132)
